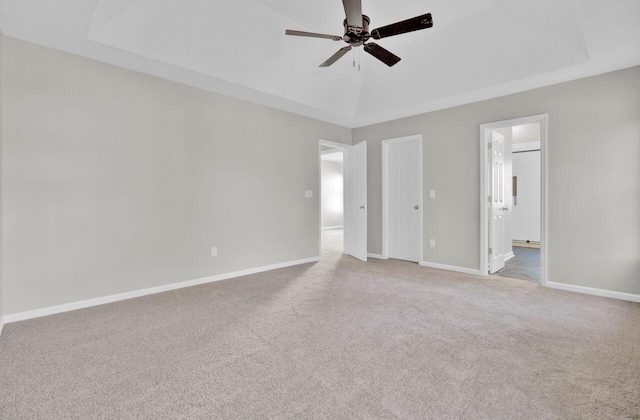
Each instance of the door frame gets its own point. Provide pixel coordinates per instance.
(485, 138)
(385, 193)
(335, 145)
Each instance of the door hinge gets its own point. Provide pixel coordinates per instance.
(490, 146)
(490, 251)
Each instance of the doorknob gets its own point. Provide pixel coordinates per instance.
(416, 207)
(505, 209)
(363, 207)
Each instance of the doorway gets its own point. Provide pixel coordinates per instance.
(332, 200)
(351, 209)
(402, 198)
(513, 192)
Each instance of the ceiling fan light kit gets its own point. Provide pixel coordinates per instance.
(356, 33)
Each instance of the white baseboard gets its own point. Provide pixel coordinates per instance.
(376, 256)
(450, 268)
(596, 292)
(508, 256)
(332, 227)
(1, 324)
(21, 316)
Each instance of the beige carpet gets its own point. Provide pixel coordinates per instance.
(335, 339)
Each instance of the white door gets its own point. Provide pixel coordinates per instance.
(526, 210)
(498, 203)
(404, 199)
(355, 201)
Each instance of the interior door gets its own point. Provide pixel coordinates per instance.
(498, 203)
(355, 201)
(404, 200)
(526, 213)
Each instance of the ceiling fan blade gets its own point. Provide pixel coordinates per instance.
(381, 54)
(409, 25)
(312, 35)
(353, 10)
(335, 57)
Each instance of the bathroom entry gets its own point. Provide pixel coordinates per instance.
(514, 195)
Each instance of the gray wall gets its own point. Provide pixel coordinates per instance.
(594, 177)
(1, 182)
(117, 181)
(332, 194)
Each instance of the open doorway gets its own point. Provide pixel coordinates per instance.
(332, 200)
(514, 191)
(354, 200)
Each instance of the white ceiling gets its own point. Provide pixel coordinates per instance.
(476, 50)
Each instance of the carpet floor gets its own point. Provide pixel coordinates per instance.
(335, 339)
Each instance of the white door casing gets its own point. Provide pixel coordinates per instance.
(355, 201)
(498, 203)
(403, 207)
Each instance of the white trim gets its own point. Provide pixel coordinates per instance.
(485, 130)
(385, 192)
(450, 268)
(376, 256)
(21, 316)
(508, 256)
(336, 145)
(596, 292)
(332, 227)
(1, 325)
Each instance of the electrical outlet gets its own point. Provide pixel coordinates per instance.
(308, 194)
(432, 243)
(214, 251)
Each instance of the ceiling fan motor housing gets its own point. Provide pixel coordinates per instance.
(357, 36)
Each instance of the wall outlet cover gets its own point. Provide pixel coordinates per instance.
(308, 194)
(214, 251)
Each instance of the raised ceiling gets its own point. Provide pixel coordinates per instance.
(476, 50)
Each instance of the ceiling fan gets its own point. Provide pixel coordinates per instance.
(356, 33)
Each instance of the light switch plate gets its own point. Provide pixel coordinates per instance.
(432, 243)
(432, 193)
(308, 194)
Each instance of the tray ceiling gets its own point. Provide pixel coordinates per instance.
(477, 49)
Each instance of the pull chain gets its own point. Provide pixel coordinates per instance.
(356, 57)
